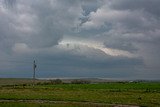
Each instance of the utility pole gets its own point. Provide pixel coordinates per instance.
(34, 72)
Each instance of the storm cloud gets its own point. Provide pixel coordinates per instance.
(80, 38)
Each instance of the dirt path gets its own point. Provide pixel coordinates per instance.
(70, 102)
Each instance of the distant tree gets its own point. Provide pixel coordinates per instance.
(80, 82)
(57, 81)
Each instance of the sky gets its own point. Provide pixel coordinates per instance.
(115, 39)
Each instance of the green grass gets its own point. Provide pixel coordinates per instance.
(20, 104)
(39, 104)
(142, 94)
(112, 86)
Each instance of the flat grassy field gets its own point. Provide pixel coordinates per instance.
(80, 95)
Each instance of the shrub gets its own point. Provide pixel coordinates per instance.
(80, 82)
(57, 81)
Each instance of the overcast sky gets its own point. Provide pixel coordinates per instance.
(116, 39)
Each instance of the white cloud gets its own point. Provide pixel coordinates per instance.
(104, 16)
(74, 44)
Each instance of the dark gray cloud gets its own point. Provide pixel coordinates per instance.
(146, 5)
(130, 25)
(38, 23)
(93, 38)
(9, 3)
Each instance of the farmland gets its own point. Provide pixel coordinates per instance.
(146, 94)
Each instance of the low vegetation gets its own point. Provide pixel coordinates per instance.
(138, 94)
